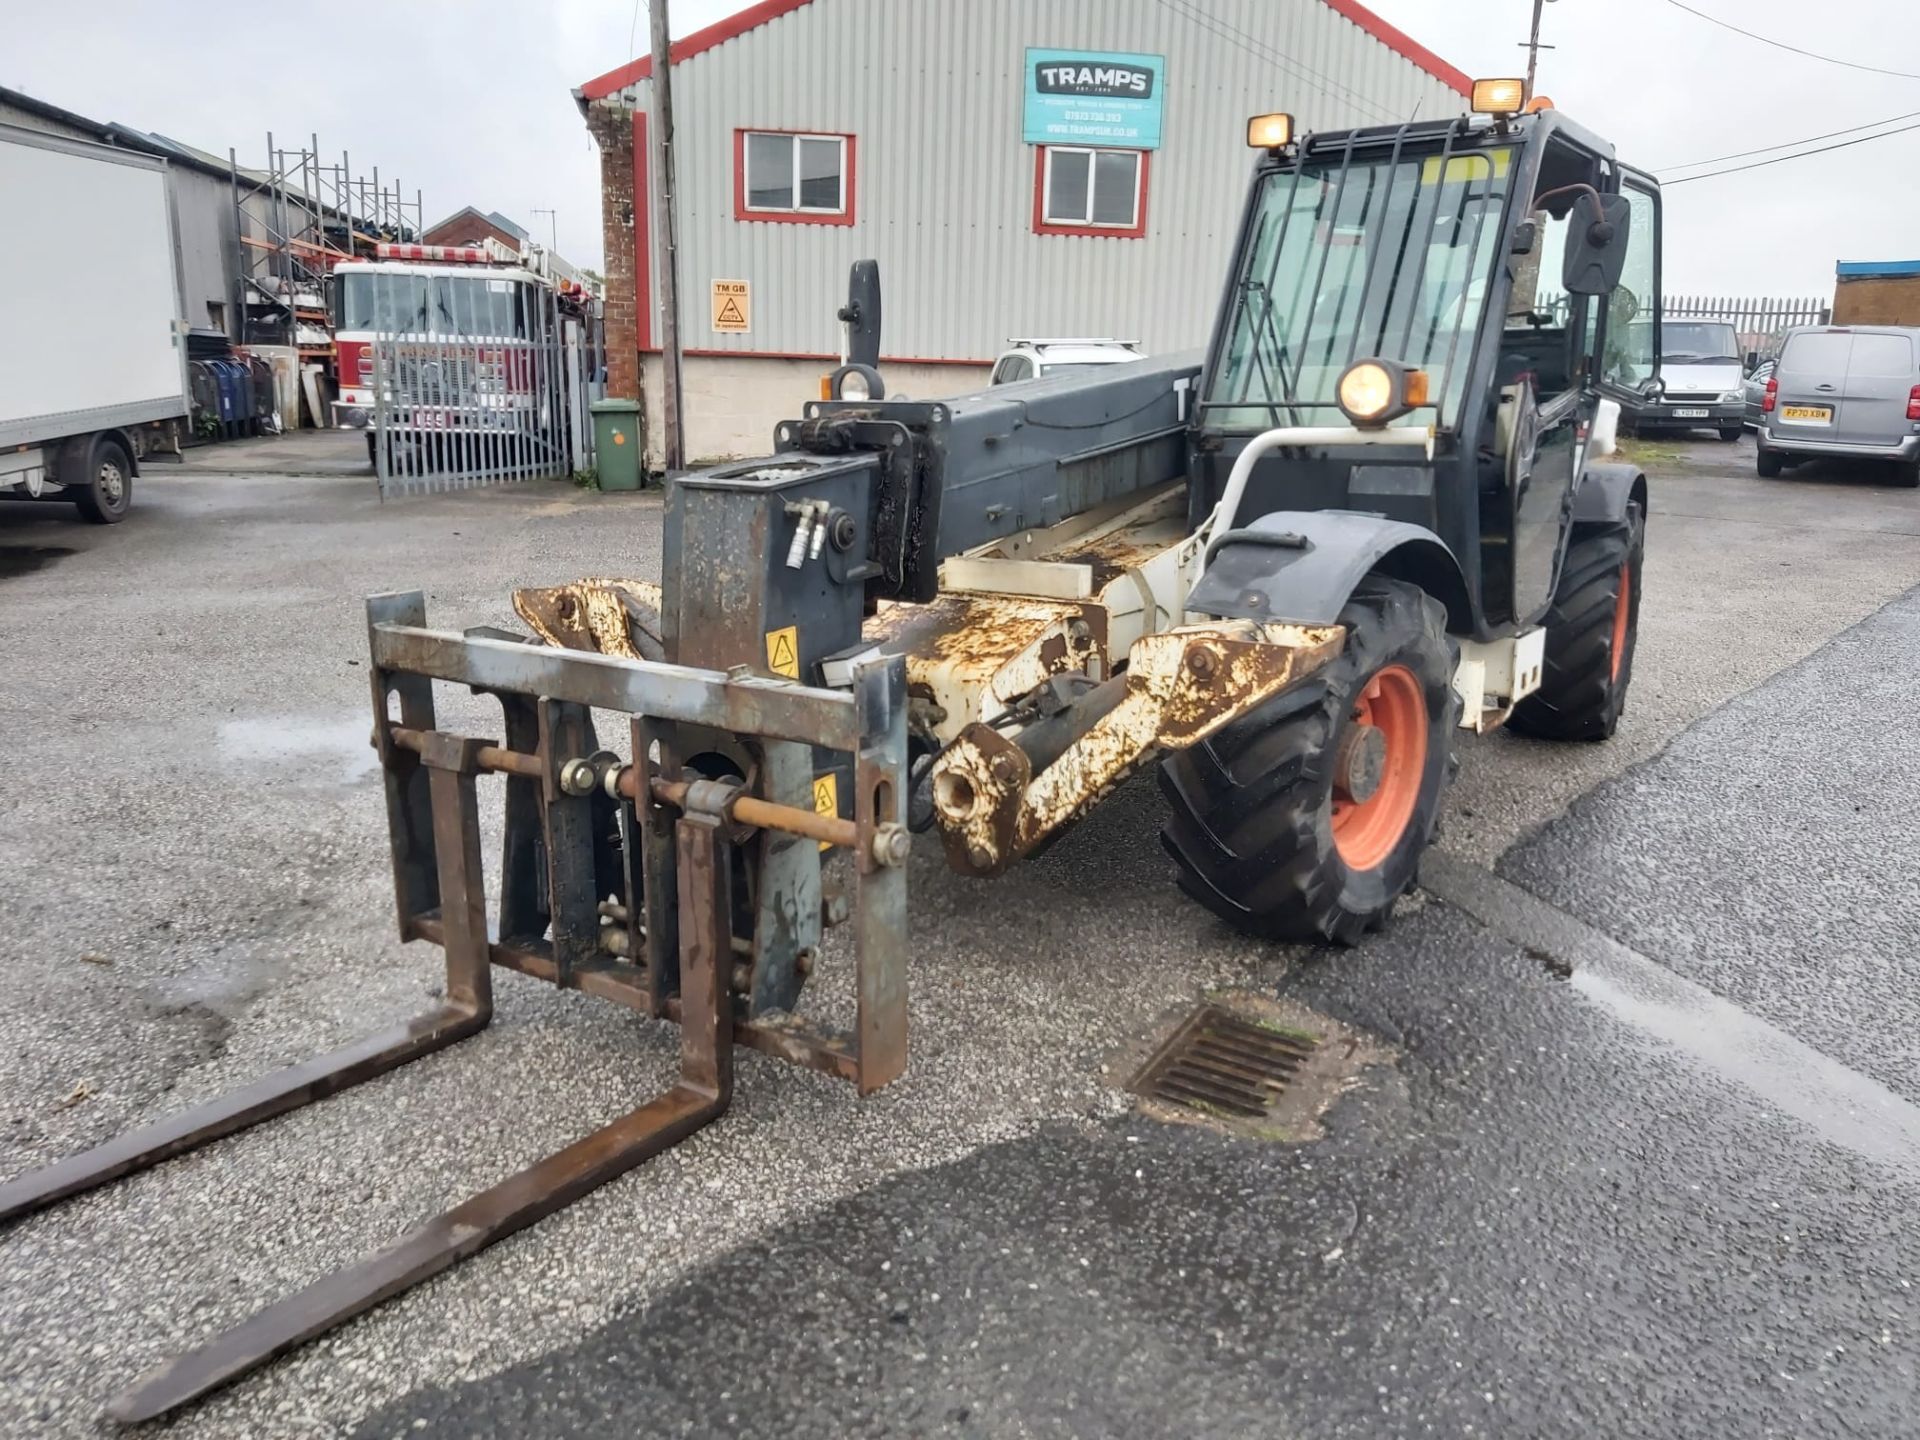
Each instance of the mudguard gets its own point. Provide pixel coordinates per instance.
(1605, 492)
(1302, 565)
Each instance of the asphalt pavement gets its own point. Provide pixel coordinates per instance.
(1638, 1159)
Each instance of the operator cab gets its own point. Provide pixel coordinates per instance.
(1445, 307)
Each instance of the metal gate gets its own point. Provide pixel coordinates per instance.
(1760, 321)
(477, 380)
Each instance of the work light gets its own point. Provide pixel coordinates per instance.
(1373, 392)
(858, 383)
(1270, 132)
(1499, 97)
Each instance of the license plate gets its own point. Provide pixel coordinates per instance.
(1691, 414)
(1807, 414)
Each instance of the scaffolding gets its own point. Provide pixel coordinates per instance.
(294, 221)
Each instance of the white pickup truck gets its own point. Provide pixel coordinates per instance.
(93, 362)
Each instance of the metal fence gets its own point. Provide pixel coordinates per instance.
(477, 381)
(1759, 321)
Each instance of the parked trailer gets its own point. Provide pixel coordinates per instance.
(94, 371)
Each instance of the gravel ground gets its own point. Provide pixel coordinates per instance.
(199, 894)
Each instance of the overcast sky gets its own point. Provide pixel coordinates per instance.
(469, 101)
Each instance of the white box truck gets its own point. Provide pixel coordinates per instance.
(93, 360)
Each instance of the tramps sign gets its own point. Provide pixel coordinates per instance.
(1077, 97)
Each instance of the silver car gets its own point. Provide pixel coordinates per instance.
(1844, 392)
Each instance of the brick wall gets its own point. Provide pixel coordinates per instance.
(1868, 300)
(613, 131)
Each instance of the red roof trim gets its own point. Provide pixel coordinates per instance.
(755, 16)
(1398, 40)
(751, 18)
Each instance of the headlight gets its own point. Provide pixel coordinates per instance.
(1734, 397)
(858, 383)
(1372, 392)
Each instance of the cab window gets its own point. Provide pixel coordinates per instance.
(1548, 340)
(1629, 360)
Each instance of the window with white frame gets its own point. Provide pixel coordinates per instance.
(1095, 188)
(795, 174)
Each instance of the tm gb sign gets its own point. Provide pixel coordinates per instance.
(1080, 97)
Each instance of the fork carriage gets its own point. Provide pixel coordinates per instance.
(620, 881)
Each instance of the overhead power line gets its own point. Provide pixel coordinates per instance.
(1793, 49)
(1193, 14)
(1790, 144)
(1782, 159)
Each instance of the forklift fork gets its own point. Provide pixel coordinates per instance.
(685, 831)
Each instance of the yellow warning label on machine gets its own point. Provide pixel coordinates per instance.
(826, 797)
(783, 651)
(1465, 169)
(732, 307)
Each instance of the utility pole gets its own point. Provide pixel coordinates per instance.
(553, 222)
(673, 446)
(1533, 46)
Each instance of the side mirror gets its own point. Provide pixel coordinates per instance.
(861, 314)
(1596, 244)
(1753, 361)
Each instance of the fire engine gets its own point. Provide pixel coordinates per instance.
(466, 331)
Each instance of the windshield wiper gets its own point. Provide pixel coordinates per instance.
(1270, 331)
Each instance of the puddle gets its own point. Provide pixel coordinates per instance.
(297, 741)
(25, 559)
(1838, 1103)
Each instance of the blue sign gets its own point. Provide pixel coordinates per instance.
(1079, 97)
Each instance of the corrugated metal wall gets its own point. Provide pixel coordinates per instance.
(932, 90)
(209, 250)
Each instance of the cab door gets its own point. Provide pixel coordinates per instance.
(1613, 350)
(1574, 349)
(1630, 324)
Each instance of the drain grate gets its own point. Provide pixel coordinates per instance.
(1217, 1061)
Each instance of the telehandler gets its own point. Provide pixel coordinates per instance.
(1375, 512)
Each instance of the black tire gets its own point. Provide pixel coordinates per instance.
(1589, 663)
(1770, 464)
(1730, 434)
(104, 491)
(1252, 823)
(1908, 475)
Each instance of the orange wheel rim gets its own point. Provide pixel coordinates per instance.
(1622, 613)
(1365, 832)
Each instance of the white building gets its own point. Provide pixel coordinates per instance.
(1017, 167)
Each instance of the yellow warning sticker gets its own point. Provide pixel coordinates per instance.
(732, 307)
(783, 651)
(826, 797)
(1465, 169)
